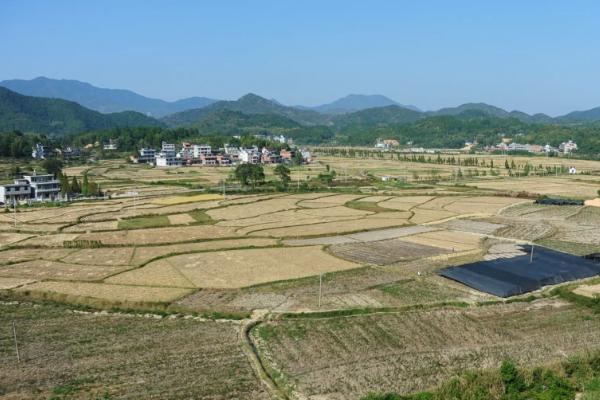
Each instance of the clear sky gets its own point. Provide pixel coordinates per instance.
(536, 56)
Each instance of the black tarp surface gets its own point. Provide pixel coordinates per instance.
(507, 277)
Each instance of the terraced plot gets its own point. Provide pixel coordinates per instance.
(383, 252)
(345, 358)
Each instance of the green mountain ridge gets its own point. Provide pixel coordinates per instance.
(59, 117)
(101, 99)
(248, 104)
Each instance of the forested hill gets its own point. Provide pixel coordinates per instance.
(101, 99)
(59, 117)
(248, 104)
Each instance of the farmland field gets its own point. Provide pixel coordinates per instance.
(342, 281)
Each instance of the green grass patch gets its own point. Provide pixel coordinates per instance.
(200, 217)
(367, 206)
(150, 221)
(509, 382)
(579, 249)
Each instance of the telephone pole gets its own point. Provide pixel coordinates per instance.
(14, 329)
(320, 288)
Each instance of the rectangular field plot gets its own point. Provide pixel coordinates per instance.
(346, 358)
(383, 252)
(45, 269)
(101, 291)
(235, 268)
(122, 357)
(450, 240)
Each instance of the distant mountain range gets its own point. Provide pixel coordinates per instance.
(55, 115)
(102, 100)
(357, 102)
(59, 117)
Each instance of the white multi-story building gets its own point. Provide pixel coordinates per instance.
(164, 159)
(15, 192)
(168, 149)
(568, 147)
(39, 152)
(249, 156)
(202, 149)
(147, 155)
(111, 145)
(44, 187)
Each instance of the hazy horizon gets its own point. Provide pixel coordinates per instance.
(534, 57)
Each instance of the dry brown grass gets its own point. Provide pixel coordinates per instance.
(144, 254)
(109, 257)
(253, 209)
(11, 283)
(168, 201)
(106, 292)
(46, 269)
(160, 235)
(345, 358)
(331, 228)
(240, 268)
(158, 273)
(74, 355)
(180, 219)
(16, 255)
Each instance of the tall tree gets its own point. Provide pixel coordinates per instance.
(283, 173)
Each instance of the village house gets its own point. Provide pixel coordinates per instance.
(568, 147)
(111, 145)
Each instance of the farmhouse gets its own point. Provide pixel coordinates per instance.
(31, 187)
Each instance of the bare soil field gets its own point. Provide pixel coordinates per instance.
(588, 290)
(118, 356)
(449, 240)
(383, 252)
(345, 358)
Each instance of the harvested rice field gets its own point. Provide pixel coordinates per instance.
(346, 358)
(113, 356)
(338, 289)
(239, 268)
(117, 294)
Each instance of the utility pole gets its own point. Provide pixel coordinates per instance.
(531, 255)
(15, 211)
(298, 177)
(320, 288)
(14, 329)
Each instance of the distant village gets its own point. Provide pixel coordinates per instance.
(506, 145)
(170, 155)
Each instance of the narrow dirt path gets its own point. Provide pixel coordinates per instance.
(251, 352)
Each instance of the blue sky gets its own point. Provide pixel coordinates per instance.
(536, 56)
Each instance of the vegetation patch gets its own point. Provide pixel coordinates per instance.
(151, 221)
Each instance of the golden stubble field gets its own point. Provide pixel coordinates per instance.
(189, 240)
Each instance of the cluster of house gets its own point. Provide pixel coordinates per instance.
(565, 147)
(41, 152)
(204, 154)
(386, 144)
(31, 188)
